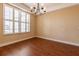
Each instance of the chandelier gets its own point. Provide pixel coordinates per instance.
(38, 9)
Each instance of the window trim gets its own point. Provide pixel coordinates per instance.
(14, 21)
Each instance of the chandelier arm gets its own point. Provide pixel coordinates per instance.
(38, 9)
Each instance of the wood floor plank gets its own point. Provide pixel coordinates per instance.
(39, 47)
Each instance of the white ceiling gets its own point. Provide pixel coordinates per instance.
(51, 6)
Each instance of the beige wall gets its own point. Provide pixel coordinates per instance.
(61, 24)
(4, 39)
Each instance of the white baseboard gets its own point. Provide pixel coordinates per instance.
(8, 43)
(70, 43)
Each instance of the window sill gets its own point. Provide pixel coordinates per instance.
(17, 33)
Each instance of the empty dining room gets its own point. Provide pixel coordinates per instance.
(39, 29)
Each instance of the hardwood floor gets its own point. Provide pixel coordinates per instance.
(39, 47)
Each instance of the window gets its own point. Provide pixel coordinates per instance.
(15, 20)
(23, 22)
(8, 22)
